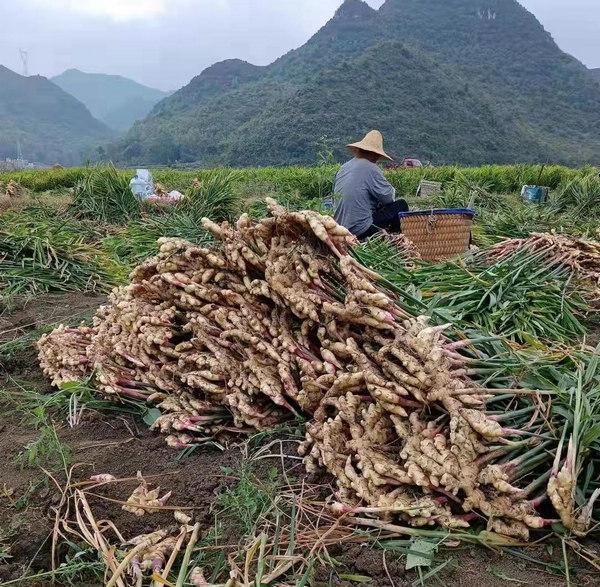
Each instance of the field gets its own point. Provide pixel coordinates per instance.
(69, 236)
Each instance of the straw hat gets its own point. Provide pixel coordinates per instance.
(373, 142)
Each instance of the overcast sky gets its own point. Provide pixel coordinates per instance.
(164, 43)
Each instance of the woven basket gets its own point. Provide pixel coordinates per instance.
(438, 234)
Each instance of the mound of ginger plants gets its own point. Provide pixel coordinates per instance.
(278, 319)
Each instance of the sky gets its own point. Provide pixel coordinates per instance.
(164, 43)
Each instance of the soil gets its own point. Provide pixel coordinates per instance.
(122, 446)
(50, 308)
(119, 446)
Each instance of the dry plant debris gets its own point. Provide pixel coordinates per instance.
(581, 256)
(278, 318)
(128, 561)
(405, 247)
(14, 190)
(12, 195)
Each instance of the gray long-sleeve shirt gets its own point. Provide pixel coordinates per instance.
(363, 188)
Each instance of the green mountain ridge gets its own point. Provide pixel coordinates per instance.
(115, 100)
(50, 125)
(459, 81)
(279, 131)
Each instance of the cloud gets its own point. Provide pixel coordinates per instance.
(173, 41)
(575, 26)
(119, 10)
(164, 43)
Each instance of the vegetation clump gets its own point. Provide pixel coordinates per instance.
(104, 194)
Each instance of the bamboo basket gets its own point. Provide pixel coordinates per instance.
(438, 234)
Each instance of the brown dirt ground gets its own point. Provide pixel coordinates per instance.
(122, 446)
(119, 446)
(31, 313)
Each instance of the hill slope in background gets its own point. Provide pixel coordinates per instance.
(115, 100)
(505, 53)
(329, 103)
(50, 125)
(456, 81)
(596, 73)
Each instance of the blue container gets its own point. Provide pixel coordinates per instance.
(534, 194)
(329, 204)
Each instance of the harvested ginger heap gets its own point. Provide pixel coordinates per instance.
(278, 319)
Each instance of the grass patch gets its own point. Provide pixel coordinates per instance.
(42, 252)
(5, 537)
(211, 555)
(242, 504)
(138, 240)
(104, 194)
(293, 430)
(68, 402)
(46, 450)
(20, 345)
(256, 515)
(215, 196)
(81, 566)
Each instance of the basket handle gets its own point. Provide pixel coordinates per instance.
(431, 222)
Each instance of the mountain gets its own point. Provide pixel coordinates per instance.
(596, 73)
(50, 125)
(115, 100)
(465, 81)
(505, 53)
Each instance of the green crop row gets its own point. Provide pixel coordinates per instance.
(316, 182)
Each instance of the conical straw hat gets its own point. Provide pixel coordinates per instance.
(372, 142)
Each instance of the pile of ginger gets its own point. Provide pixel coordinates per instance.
(278, 319)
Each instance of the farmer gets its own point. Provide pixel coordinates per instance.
(368, 204)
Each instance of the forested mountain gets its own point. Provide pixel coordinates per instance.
(50, 125)
(115, 100)
(467, 81)
(596, 73)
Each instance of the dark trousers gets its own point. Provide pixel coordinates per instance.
(387, 218)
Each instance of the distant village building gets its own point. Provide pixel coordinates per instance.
(15, 164)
